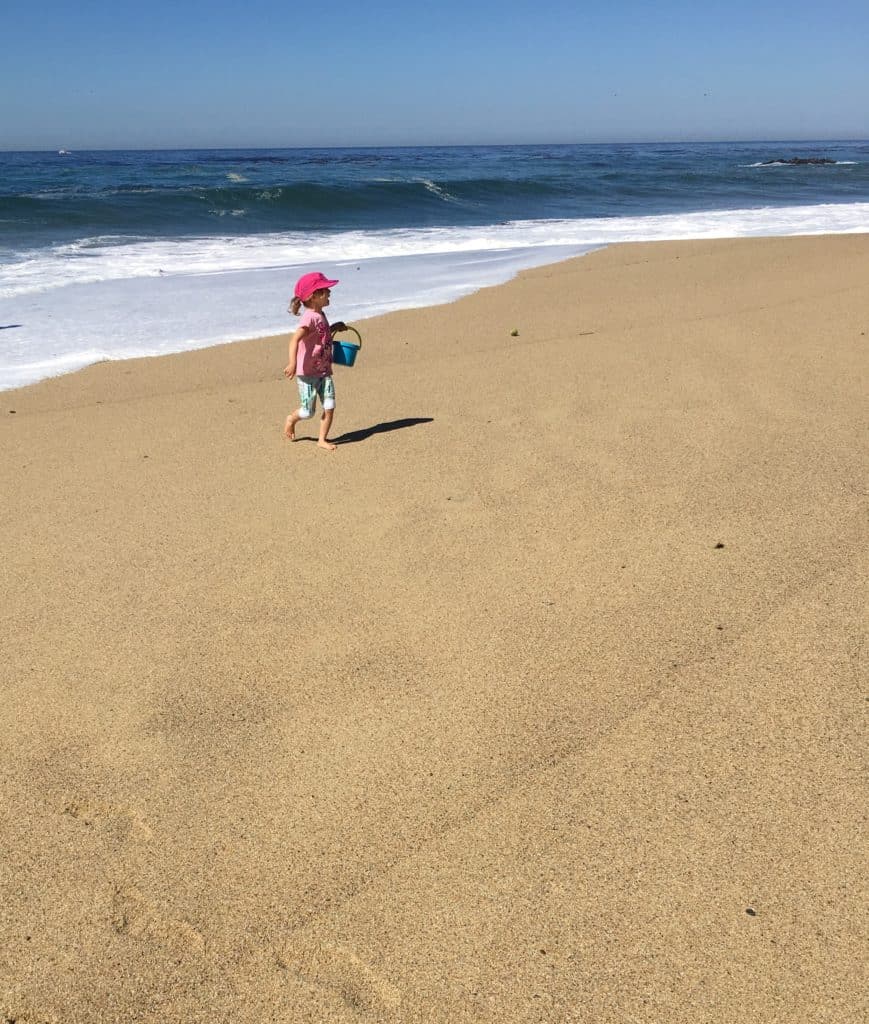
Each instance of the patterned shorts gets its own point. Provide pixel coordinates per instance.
(310, 388)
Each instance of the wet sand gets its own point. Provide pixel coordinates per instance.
(541, 699)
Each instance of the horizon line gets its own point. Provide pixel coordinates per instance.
(434, 145)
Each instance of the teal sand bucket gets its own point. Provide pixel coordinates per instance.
(344, 352)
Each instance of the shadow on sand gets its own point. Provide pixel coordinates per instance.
(352, 436)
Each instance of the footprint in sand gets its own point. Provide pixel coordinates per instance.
(26, 1017)
(338, 970)
(133, 915)
(91, 812)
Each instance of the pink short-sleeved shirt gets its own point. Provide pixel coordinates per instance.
(314, 355)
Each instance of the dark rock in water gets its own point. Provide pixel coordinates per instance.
(800, 161)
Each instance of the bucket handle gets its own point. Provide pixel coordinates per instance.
(347, 327)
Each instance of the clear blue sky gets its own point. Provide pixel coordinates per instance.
(86, 74)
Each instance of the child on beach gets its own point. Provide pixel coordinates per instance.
(311, 356)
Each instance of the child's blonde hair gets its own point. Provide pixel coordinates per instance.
(296, 303)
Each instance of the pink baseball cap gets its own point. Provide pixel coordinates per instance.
(310, 283)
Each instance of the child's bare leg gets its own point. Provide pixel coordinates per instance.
(290, 425)
(325, 425)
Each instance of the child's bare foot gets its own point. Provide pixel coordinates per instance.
(327, 445)
(290, 429)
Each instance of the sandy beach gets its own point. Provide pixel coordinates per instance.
(542, 699)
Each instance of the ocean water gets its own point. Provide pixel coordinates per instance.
(111, 255)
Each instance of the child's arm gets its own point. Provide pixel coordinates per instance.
(298, 334)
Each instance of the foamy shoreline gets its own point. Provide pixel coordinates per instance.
(99, 302)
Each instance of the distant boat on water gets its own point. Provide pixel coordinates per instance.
(63, 152)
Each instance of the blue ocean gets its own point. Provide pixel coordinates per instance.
(111, 255)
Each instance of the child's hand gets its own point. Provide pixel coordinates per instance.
(290, 371)
(340, 326)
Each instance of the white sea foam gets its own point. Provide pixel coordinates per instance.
(96, 299)
(436, 190)
(787, 163)
(26, 373)
(102, 259)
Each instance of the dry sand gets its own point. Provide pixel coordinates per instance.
(539, 700)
